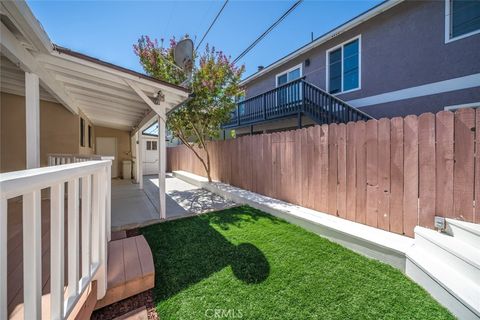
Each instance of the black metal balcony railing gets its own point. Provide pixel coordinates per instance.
(293, 98)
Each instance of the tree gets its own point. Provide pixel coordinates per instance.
(214, 83)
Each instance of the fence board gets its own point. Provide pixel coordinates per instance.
(444, 164)
(351, 172)
(464, 164)
(298, 158)
(426, 156)
(342, 171)
(307, 170)
(371, 136)
(361, 180)
(383, 214)
(332, 169)
(322, 173)
(410, 206)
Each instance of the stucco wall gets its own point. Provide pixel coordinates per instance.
(59, 132)
(400, 48)
(12, 133)
(124, 150)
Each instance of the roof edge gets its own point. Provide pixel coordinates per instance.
(370, 13)
(63, 50)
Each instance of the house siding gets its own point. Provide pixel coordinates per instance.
(59, 132)
(402, 47)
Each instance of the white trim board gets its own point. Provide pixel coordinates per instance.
(460, 83)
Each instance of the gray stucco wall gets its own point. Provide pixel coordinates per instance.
(401, 48)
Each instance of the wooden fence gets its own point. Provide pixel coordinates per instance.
(391, 174)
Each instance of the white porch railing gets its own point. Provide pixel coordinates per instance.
(93, 206)
(65, 158)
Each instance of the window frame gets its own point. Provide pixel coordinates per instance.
(327, 65)
(89, 132)
(278, 75)
(448, 25)
(82, 132)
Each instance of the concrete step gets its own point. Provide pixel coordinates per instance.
(453, 289)
(130, 269)
(464, 231)
(450, 251)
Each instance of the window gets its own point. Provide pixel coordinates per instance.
(89, 136)
(241, 105)
(289, 75)
(151, 145)
(291, 93)
(343, 73)
(82, 132)
(462, 18)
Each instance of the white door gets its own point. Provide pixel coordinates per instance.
(150, 156)
(107, 146)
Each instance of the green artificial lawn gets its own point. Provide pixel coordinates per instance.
(241, 263)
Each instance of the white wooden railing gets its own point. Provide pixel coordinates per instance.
(93, 206)
(64, 158)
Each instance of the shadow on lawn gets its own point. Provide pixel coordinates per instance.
(190, 250)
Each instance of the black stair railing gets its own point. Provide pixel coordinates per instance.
(293, 98)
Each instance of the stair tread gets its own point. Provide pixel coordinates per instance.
(128, 259)
(456, 247)
(448, 277)
(130, 269)
(468, 226)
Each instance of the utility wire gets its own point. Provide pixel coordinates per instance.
(211, 25)
(250, 47)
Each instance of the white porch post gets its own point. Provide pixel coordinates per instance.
(162, 159)
(32, 115)
(140, 160)
(137, 157)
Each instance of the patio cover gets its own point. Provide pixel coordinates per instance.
(109, 95)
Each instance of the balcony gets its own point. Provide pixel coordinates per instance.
(295, 98)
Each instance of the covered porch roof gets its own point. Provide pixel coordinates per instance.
(109, 95)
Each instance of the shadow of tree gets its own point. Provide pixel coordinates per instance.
(189, 250)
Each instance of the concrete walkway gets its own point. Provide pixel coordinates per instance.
(133, 207)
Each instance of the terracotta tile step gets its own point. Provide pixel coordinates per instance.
(130, 269)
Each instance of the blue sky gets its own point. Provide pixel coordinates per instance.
(108, 29)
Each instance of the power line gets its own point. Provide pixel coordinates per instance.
(211, 25)
(250, 47)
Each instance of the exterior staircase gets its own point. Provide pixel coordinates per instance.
(295, 98)
(447, 265)
(130, 268)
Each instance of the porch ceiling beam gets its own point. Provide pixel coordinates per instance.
(144, 122)
(114, 125)
(100, 88)
(95, 111)
(11, 47)
(111, 107)
(77, 92)
(156, 107)
(108, 119)
(70, 73)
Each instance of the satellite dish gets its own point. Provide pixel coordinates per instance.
(183, 54)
